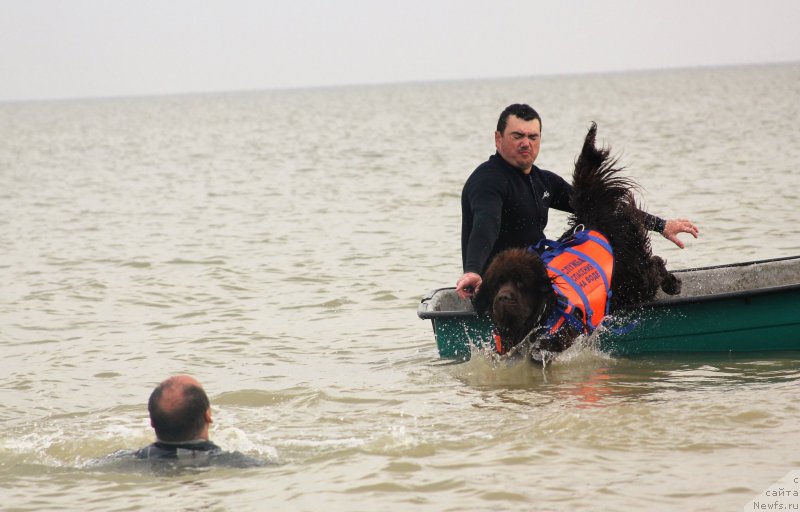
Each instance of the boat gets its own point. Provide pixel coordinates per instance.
(741, 307)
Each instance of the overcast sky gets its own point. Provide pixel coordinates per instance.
(90, 48)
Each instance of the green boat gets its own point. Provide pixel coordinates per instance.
(741, 307)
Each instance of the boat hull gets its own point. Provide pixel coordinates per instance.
(744, 307)
(765, 321)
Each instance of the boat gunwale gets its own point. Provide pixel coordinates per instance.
(737, 264)
(425, 314)
(677, 300)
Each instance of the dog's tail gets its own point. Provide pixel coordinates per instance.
(598, 189)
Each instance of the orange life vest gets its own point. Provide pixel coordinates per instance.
(581, 268)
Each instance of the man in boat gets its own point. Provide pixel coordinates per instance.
(505, 201)
(180, 414)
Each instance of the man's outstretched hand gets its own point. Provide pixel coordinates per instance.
(675, 226)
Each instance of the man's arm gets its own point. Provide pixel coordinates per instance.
(483, 235)
(653, 223)
(669, 228)
(485, 200)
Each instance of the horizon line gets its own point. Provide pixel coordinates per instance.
(254, 90)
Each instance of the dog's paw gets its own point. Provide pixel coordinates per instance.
(671, 284)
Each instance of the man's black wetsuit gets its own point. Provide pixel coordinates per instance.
(163, 450)
(501, 208)
(196, 453)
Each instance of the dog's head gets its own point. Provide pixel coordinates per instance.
(515, 292)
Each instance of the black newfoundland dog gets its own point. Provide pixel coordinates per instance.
(548, 295)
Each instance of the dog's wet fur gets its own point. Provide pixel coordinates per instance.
(517, 292)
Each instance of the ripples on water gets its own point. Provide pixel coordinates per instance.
(276, 244)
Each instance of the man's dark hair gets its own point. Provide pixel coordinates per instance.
(520, 110)
(183, 423)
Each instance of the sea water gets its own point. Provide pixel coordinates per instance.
(275, 245)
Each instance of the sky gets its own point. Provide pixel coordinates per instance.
(52, 49)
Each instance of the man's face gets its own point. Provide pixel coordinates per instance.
(519, 143)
